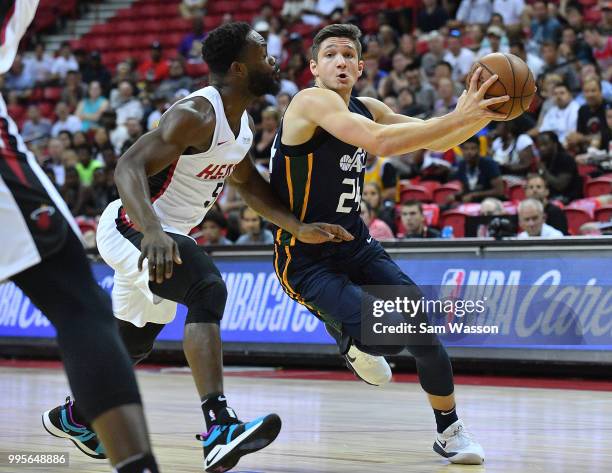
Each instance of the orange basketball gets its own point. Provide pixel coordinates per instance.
(514, 79)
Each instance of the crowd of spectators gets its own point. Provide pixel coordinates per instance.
(416, 62)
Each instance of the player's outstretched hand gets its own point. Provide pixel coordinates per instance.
(161, 252)
(322, 232)
(473, 106)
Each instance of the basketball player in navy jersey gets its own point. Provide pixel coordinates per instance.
(317, 170)
(42, 253)
(167, 181)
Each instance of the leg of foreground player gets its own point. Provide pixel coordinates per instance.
(96, 362)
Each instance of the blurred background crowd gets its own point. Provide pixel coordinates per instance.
(547, 173)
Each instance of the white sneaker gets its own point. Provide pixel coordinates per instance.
(458, 445)
(371, 369)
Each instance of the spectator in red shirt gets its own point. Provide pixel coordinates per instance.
(377, 228)
(156, 68)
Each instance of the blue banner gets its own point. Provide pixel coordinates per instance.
(258, 311)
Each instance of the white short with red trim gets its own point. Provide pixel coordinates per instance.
(133, 301)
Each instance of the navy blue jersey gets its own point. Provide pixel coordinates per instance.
(321, 180)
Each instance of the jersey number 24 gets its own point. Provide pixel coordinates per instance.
(350, 200)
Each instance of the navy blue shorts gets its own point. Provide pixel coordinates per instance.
(329, 283)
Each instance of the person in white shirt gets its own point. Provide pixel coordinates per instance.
(475, 11)
(40, 64)
(531, 218)
(563, 116)
(510, 10)
(126, 105)
(65, 121)
(64, 62)
(459, 57)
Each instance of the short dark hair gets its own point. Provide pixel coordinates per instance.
(552, 136)
(563, 84)
(413, 203)
(216, 217)
(445, 64)
(337, 31)
(517, 43)
(224, 45)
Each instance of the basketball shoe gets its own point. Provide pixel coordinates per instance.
(458, 445)
(59, 422)
(229, 439)
(371, 369)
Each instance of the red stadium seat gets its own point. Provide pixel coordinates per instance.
(598, 186)
(52, 94)
(440, 195)
(432, 214)
(604, 214)
(516, 192)
(420, 193)
(431, 185)
(456, 220)
(575, 219)
(197, 70)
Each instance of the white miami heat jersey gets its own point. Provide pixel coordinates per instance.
(184, 191)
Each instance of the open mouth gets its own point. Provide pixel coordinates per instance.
(342, 76)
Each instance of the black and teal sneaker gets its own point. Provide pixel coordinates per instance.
(230, 439)
(59, 422)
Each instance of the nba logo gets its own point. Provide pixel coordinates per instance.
(452, 281)
(453, 277)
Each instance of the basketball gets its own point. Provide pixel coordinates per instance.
(514, 79)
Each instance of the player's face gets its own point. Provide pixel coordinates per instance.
(531, 220)
(412, 218)
(264, 74)
(338, 66)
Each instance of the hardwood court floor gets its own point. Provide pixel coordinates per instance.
(335, 426)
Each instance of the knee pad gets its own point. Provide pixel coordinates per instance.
(205, 300)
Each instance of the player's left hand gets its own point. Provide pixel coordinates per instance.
(321, 233)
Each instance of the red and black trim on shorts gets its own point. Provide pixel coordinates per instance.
(45, 221)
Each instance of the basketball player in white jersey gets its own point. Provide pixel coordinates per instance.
(42, 254)
(167, 181)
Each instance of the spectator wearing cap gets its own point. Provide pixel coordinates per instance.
(376, 227)
(558, 168)
(557, 65)
(481, 177)
(192, 8)
(253, 229)
(592, 129)
(177, 80)
(562, 118)
(537, 188)
(191, 44)
(91, 108)
(126, 105)
(414, 221)
(493, 42)
(431, 17)
(36, 129)
(64, 62)
(65, 120)
(273, 40)
(544, 27)
(475, 11)
(155, 68)
(212, 229)
(531, 218)
(460, 58)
